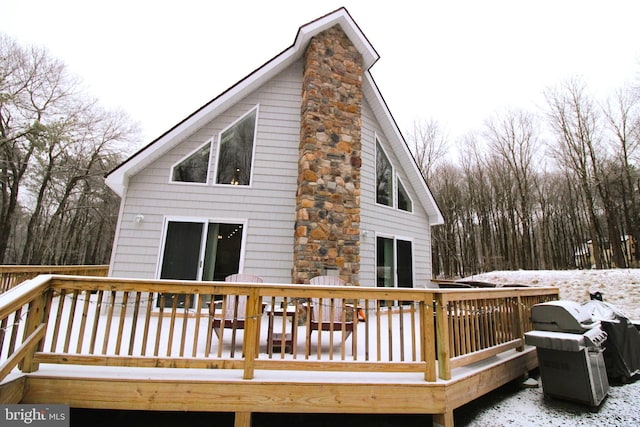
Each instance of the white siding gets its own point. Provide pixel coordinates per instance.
(377, 219)
(268, 206)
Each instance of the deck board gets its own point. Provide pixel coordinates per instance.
(225, 390)
(169, 359)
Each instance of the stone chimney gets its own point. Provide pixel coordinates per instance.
(327, 228)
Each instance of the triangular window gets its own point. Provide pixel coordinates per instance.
(384, 177)
(404, 201)
(195, 168)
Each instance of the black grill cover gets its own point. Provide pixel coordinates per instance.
(622, 347)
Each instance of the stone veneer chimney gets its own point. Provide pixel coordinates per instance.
(327, 227)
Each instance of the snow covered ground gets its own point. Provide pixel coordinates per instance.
(515, 405)
(620, 287)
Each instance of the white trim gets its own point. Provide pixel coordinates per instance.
(393, 174)
(375, 262)
(399, 182)
(411, 240)
(253, 148)
(118, 178)
(339, 17)
(205, 221)
(395, 239)
(163, 238)
(116, 236)
(206, 181)
(391, 130)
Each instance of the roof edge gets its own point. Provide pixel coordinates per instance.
(117, 178)
(437, 218)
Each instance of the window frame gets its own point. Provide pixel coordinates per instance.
(205, 222)
(394, 273)
(188, 155)
(255, 108)
(392, 194)
(400, 184)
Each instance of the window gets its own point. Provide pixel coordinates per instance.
(384, 262)
(195, 168)
(236, 151)
(394, 263)
(384, 177)
(404, 261)
(200, 250)
(385, 193)
(404, 201)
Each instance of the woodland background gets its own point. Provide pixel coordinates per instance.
(557, 188)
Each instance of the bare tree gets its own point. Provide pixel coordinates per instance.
(506, 207)
(77, 184)
(513, 138)
(573, 118)
(622, 112)
(429, 145)
(447, 186)
(31, 87)
(479, 242)
(53, 140)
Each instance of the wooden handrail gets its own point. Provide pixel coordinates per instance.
(12, 275)
(13, 319)
(21, 352)
(160, 323)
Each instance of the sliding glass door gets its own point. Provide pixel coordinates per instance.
(404, 260)
(200, 250)
(394, 263)
(385, 266)
(181, 256)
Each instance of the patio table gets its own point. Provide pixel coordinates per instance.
(275, 338)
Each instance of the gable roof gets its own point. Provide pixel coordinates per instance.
(118, 178)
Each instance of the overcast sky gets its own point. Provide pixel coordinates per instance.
(455, 61)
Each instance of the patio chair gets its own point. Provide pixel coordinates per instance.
(329, 314)
(235, 306)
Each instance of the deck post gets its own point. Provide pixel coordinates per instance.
(427, 325)
(519, 323)
(252, 332)
(243, 419)
(443, 420)
(35, 317)
(442, 338)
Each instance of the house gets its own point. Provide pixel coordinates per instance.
(297, 170)
(584, 255)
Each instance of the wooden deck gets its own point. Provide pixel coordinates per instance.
(64, 337)
(12, 275)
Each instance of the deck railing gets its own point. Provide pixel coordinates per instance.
(12, 275)
(143, 323)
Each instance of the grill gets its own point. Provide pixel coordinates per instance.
(622, 349)
(570, 350)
